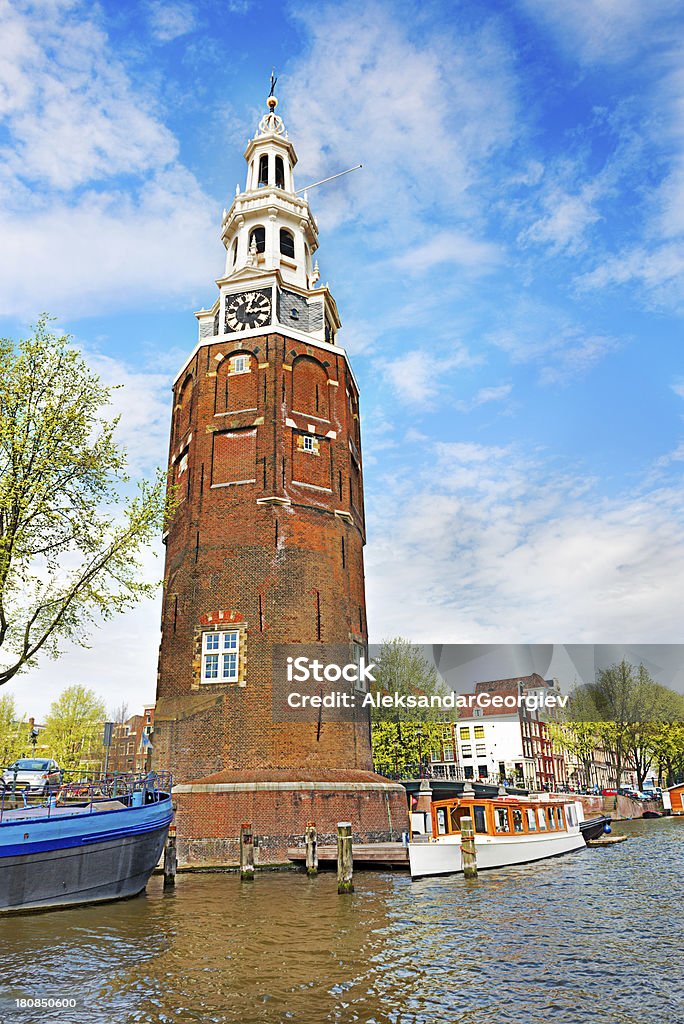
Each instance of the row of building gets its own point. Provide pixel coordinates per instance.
(517, 741)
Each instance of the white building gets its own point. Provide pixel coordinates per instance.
(491, 746)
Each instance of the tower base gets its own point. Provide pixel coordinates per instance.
(279, 805)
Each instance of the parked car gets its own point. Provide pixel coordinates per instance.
(33, 774)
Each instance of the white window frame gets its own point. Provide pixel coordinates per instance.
(239, 364)
(220, 656)
(358, 652)
(308, 443)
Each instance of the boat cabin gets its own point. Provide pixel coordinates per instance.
(673, 799)
(505, 816)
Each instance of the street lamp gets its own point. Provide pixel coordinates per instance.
(419, 732)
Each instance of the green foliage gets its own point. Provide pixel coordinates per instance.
(69, 545)
(402, 736)
(13, 734)
(74, 728)
(627, 713)
(399, 747)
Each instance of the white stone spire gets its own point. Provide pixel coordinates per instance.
(269, 227)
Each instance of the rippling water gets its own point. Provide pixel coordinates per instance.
(595, 936)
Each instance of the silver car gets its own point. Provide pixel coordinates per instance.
(33, 774)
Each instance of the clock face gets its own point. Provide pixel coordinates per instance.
(247, 310)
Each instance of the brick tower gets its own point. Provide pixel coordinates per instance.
(266, 545)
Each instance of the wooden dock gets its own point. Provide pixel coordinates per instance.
(607, 840)
(380, 855)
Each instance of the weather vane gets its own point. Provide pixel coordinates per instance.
(273, 82)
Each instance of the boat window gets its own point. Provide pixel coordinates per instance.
(501, 819)
(480, 818)
(570, 815)
(550, 818)
(441, 821)
(531, 820)
(559, 817)
(517, 820)
(542, 819)
(455, 815)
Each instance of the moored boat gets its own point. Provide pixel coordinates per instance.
(508, 830)
(102, 845)
(594, 828)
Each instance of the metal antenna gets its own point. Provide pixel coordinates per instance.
(331, 178)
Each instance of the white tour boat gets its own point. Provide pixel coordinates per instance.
(508, 830)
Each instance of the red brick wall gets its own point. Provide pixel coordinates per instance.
(310, 387)
(280, 567)
(234, 456)
(235, 392)
(209, 823)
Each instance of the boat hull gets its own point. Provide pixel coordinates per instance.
(79, 858)
(443, 857)
(595, 827)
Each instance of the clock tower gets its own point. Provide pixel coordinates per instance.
(265, 548)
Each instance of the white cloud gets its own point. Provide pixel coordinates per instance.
(453, 247)
(657, 272)
(541, 334)
(603, 31)
(487, 545)
(417, 377)
(495, 393)
(565, 219)
(421, 147)
(169, 21)
(75, 239)
(143, 401)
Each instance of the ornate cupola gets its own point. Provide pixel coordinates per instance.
(269, 226)
(270, 235)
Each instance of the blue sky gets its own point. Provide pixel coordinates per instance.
(508, 267)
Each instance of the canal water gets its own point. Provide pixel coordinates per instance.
(595, 936)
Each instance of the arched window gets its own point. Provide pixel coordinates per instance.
(234, 257)
(263, 171)
(259, 236)
(280, 172)
(287, 243)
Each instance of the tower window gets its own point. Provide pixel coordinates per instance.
(258, 235)
(287, 243)
(235, 252)
(279, 172)
(263, 171)
(239, 364)
(220, 657)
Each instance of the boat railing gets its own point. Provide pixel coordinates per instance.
(77, 789)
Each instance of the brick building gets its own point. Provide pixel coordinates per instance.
(128, 751)
(266, 545)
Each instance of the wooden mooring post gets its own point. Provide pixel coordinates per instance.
(246, 853)
(311, 849)
(170, 859)
(345, 860)
(468, 855)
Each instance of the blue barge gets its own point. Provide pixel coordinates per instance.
(75, 850)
